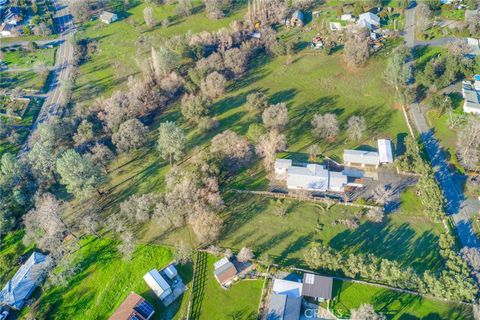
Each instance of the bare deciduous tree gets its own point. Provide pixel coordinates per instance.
(325, 126)
(257, 101)
(234, 149)
(127, 245)
(423, 18)
(235, 60)
(382, 194)
(206, 225)
(184, 8)
(356, 127)
(213, 86)
(183, 253)
(268, 146)
(468, 143)
(375, 215)
(148, 16)
(245, 255)
(130, 136)
(276, 116)
(45, 225)
(164, 61)
(357, 51)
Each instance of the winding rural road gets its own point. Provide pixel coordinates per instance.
(458, 207)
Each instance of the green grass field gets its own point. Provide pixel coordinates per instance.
(25, 59)
(406, 236)
(27, 80)
(240, 301)
(394, 305)
(125, 44)
(104, 280)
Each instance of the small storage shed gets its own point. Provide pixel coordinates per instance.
(158, 284)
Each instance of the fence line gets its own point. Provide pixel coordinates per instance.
(328, 201)
(379, 285)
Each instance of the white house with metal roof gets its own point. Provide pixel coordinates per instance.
(310, 176)
(385, 151)
(158, 284)
(361, 158)
(368, 20)
(21, 286)
(470, 93)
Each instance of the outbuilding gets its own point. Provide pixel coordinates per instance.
(225, 271)
(158, 284)
(317, 287)
(18, 289)
(108, 17)
(361, 158)
(385, 151)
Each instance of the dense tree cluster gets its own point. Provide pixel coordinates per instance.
(453, 283)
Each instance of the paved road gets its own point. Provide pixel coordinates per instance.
(458, 207)
(52, 104)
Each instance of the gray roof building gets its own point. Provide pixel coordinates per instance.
(471, 96)
(20, 287)
(361, 157)
(283, 307)
(318, 287)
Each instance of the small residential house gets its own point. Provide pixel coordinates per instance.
(225, 272)
(108, 17)
(310, 176)
(369, 20)
(470, 93)
(385, 151)
(134, 307)
(335, 26)
(473, 46)
(297, 19)
(7, 30)
(12, 15)
(21, 286)
(285, 301)
(158, 284)
(317, 287)
(347, 17)
(166, 284)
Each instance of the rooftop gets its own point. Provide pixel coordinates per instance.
(22, 284)
(361, 157)
(316, 286)
(134, 307)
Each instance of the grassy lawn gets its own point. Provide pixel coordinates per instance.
(26, 59)
(11, 250)
(445, 135)
(125, 44)
(325, 86)
(238, 302)
(27, 80)
(33, 108)
(394, 305)
(104, 280)
(406, 235)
